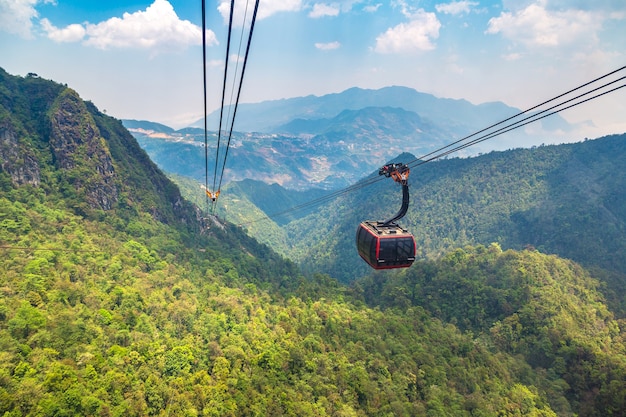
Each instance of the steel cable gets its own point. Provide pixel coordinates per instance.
(462, 144)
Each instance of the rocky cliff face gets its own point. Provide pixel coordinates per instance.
(43, 122)
(51, 138)
(79, 149)
(16, 159)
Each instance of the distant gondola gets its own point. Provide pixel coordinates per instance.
(385, 244)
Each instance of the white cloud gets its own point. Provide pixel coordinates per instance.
(456, 7)
(372, 8)
(452, 66)
(236, 58)
(71, 33)
(267, 8)
(270, 7)
(537, 26)
(416, 35)
(16, 16)
(321, 10)
(156, 28)
(328, 46)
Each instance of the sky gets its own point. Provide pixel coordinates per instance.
(143, 59)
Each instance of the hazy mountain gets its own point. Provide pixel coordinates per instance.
(334, 154)
(147, 126)
(460, 116)
(333, 140)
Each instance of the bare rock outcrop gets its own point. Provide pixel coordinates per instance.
(16, 159)
(79, 149)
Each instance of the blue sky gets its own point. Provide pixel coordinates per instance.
(143, 59)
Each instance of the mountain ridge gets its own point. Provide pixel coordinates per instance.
(269, 115)
(333, 140)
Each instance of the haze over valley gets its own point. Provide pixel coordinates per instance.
(334, 140)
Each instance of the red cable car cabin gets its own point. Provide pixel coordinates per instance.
(385, 246)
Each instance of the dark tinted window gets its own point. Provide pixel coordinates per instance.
(365, 242)
(387, 250)
(396, 249)
(406, 248)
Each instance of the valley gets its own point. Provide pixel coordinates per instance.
(331, 141)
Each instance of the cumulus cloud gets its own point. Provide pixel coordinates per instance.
(267, 8)
(416, 35)
(372, 8)
(456, 7)
(157, 28)
(70, 33)
(537, 26)
(16, 16)
(328, 46)
(321, 10)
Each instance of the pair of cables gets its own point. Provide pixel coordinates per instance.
(533, 114)
(584, 93)
(213, 194)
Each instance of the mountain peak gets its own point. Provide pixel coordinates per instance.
(50, 137)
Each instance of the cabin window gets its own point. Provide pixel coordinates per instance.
(387, 250)
(365, 240)
(406, 248)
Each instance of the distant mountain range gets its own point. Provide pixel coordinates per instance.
(459, 116)
(329, 141)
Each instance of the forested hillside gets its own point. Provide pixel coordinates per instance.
(546, 309)
(564, 199)
(119, 298)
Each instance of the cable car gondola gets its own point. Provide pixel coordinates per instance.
(387, 245)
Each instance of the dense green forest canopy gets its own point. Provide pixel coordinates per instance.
(564, 199)
(119, 298)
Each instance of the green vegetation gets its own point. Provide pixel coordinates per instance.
(562, 199)
(111, 322)
(144, 308)
(235, 207)
(544, 308)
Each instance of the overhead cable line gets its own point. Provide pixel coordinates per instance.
(243, 71)
(524, 112)
(463, 142)
(232, 90)
(215, 192)
(206, 142)
(523, 122)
